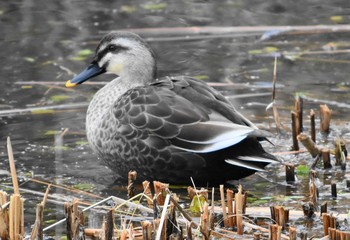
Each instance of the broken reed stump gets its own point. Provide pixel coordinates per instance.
(148, 193)
(205, 225)
(4, 217)
(294, 131)
(335, 234)
(329, 221)
(16, 217)
(309, 144)
(160, 192)
(313, 189)
(326, 158)
(325, 117)
(275, 232)
(132, 175)
(147, 228)
(280, 215)
(323, 208)
(74, 220)
(290, 173)
(108, 225)
(239, 206)
(292, 233)
(334, 190)
(298, 106)
(231, 218)
(223, 205)
(312, 125)
(16, 212)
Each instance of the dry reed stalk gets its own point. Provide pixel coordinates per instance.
(325, 116)
(326, 157)
(132, 175)
(292, 233)
(4, 217)
(161, 230)
(275, 232)
(223, 205)
(147, 230)
(229, 194)
(274, 107)
(309, 144)
(67, 188)
(239, 202)
(294, 131)
(16, 221)
(312, 125)
(12, 167)
(189, 230)
(290, 173)
(37, 231)
(160, 191)
(148, 193)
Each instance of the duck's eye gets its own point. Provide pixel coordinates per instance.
(112, 48)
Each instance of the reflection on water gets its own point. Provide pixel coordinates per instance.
(49, 41)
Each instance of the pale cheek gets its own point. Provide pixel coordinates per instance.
(116, 68)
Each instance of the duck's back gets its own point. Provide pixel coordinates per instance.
(177, 128)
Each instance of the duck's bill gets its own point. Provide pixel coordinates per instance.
(91, 71)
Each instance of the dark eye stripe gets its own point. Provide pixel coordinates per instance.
(110, 48)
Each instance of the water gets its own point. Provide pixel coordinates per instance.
(41, 41)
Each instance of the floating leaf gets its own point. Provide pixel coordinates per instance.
(85, 52)
(196, 203)
(51, 221)
(29, 59)
(154, 6)
(265, 50)
(302, 170)
(43, 111)
(59, 98)
(337, 19)
(51, 132)
(26, 87)
(128, 9)
(82, 55)
(81, 142)
(84, 186)
(60, 148)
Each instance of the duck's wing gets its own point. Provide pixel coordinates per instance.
(188, 116)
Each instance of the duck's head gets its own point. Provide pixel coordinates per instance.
(122, 53)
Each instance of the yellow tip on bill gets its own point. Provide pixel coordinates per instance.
(69, 84)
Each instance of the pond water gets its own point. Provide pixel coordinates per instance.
(46, 41)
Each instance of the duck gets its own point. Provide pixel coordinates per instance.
(174, 129)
